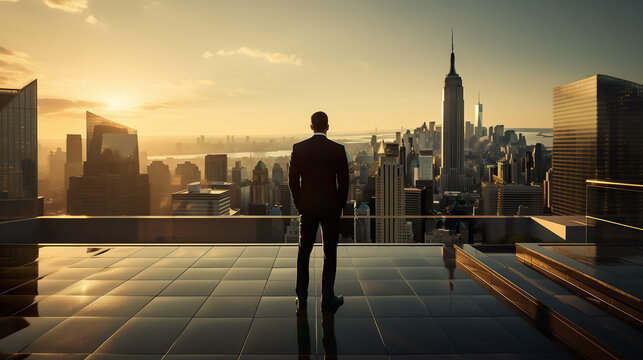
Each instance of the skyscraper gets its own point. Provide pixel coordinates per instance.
(260, 184)
(187, 172)
(452, 169)
(426, 164)
(389, 201)
(285, 198)
(57, 168)
(216, 167)
(111, 183)
(413, 206)
(239, 173)
(160, 191)
(402, 161)
(74, 163)
(478, 114)
(597, 135)
(363, 224)
(520, 199)
(277, 174)
(19, 153)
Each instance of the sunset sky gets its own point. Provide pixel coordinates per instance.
(187, 67)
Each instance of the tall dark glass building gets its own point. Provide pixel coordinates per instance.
(19, 153)
(452, 171)
(598, 132)
(111, 183)
(216, 167)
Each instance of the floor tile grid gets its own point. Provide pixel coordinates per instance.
(419, 298)
(120, 258)
(133, 254)
(317, 262)
(437, 318)
(39, 297)
(152, 298)
(210, 295)
(26, 280)
(313, 279)
(387, 347)
(318, 266)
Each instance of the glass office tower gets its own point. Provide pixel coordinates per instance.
(19, 153)
(111, 183)
(598, 127)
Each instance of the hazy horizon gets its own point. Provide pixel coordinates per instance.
(177, 68)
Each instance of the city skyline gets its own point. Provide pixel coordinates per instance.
(220, 70)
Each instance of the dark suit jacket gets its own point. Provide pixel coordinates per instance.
(318, 176)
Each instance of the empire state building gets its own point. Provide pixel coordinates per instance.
(452, 170)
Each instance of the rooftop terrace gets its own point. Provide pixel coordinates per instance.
(177, 302)
(222, 288)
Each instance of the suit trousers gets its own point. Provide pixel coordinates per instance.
(308, 224)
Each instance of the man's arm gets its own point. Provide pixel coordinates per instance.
(342, 178)
(293, 178)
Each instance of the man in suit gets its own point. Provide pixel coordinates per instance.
(318, 182)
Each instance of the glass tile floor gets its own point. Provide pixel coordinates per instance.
(237, 302)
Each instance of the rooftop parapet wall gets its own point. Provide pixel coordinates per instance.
(243, 229)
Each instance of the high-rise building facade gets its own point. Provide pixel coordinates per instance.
(216, 167)
(57, 168)
(478, 120)
(413, 206)
(363, 224)
(278, 175)
(111, 183)
(597, 135)
(160, 190)
(187, 172)
(452, 170)
(389, 201)
(468, 130)
(197, 201)
(239, 173)
(520, 199)
(19, 153)
(74, 161)
(260, 184)
(426, 164)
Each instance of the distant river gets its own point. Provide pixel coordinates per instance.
(532, 139)
(231, 155)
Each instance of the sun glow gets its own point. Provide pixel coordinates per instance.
(118, 102)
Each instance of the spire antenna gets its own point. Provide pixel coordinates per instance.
(478, 96)
(451, 39)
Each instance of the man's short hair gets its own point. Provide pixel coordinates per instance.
(319, 120)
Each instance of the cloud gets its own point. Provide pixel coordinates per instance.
(7, 52)
(206, 55)
(73, 6)
(9, 0)
(48, 106)
(92, 20)
(17, 68)
(271, 57)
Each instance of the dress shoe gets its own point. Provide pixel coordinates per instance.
(332, 303)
